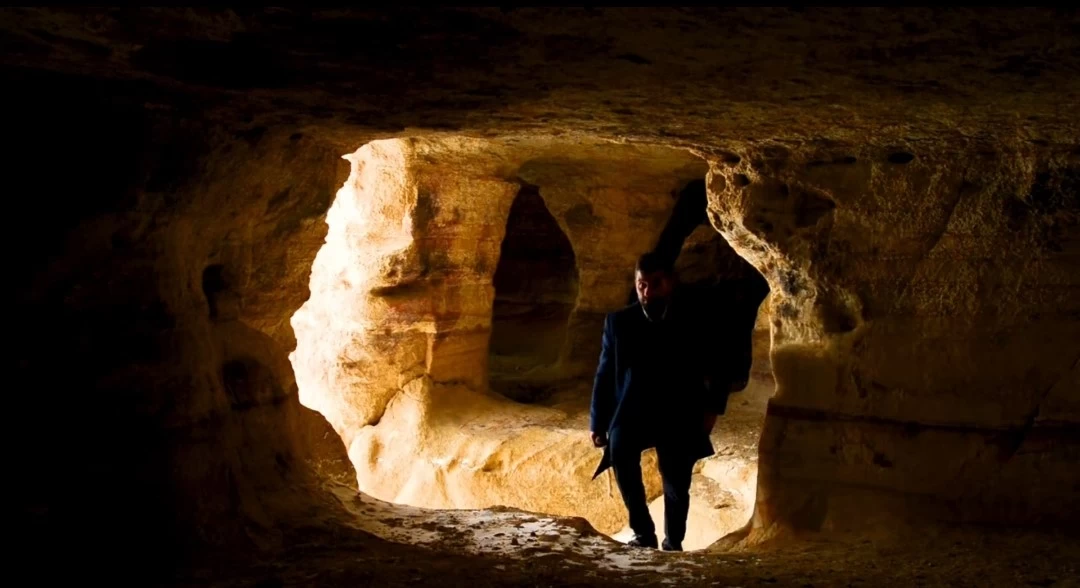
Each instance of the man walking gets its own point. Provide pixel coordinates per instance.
(652, 389)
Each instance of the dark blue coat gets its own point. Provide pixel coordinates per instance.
(651, 381)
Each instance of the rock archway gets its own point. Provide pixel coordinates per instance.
(400, 344)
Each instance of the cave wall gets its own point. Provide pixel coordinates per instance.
(171, 428)
(402, 290)
(120, 119)
(923, 327)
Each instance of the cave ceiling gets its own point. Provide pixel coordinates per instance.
(694, 77)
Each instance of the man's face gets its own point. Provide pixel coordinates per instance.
(653, 288)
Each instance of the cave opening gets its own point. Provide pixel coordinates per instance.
(452, 345)
(536, 288)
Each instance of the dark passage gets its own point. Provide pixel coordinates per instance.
(536, 286)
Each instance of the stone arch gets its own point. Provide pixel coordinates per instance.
(536, 288)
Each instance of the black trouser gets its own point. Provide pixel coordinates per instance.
(676, 470)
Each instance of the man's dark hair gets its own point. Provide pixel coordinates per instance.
(652, 262)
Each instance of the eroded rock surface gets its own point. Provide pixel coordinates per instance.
(923, 334)
(905, 181)
(393, 346)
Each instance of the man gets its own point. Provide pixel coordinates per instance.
(652, 389)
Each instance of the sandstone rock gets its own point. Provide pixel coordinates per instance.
(393, 344)
(902, 356)
(904, 180)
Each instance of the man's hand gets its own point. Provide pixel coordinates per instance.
(599, 439)
(709, 423)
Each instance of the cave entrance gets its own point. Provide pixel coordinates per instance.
(536, 288)
(455, 319)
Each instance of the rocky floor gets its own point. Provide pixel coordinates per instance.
(378, 543)
(383, 544)
(391, 545)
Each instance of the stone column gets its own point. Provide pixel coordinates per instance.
(924, 366)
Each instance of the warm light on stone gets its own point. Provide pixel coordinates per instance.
(392, 346)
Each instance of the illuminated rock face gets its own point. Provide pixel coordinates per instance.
(924, 335)
(393, 345)
(406, 284)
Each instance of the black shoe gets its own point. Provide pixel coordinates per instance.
(643, 541)
(670, 546)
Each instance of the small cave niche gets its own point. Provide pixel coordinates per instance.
(536, 288)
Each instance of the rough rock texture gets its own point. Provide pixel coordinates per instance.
(924, 293)
(393, 343)
(925, 342)
(503, 547)
(536, 289)
(153, 297)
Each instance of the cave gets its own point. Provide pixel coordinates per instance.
(456, 361)
(315, 295)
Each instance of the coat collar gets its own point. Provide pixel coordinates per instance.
(663, 315)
